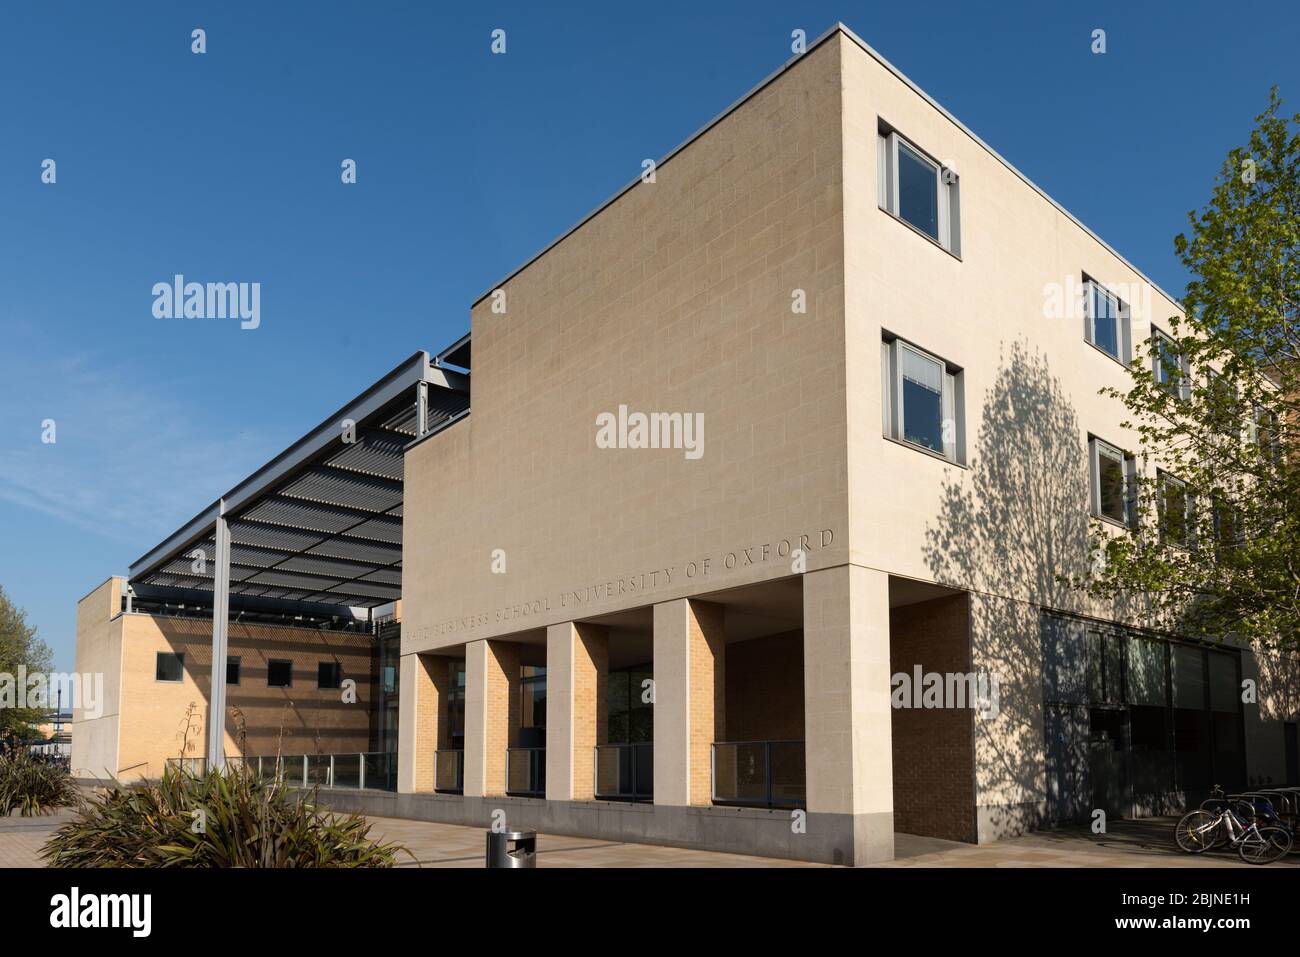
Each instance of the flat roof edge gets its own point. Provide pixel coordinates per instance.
(99, 586)
(838, 28)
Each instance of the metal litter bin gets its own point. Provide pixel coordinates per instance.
(500, 853)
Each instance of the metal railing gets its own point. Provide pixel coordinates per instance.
(759, 773)
(374, 770)
(625, 772)
(526, 772)
(61, 749)
(449, 771)
(196, 766)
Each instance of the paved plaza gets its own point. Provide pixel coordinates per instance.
(1144, 843)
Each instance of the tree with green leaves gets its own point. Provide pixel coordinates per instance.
(1216, 541)
(19, 647)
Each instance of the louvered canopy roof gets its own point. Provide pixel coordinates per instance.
(321, 523)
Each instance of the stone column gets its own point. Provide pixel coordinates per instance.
(476, 699)
(689, 710)
(847, 713)
(577, 707)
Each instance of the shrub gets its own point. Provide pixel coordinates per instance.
(33, 786)
(224, 818)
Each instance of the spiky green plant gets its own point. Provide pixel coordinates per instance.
(31, 786)
(224, 818)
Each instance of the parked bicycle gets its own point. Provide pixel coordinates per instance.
(1248, 823)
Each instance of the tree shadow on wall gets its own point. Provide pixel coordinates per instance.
(1007, 528)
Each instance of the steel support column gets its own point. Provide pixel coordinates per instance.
(220, 623)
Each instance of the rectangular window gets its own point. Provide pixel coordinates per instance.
(1226, 717)
(1106, 321)
(1114, 475)
(1174, 505)
(169, 667)
(1192, 739)
(1096, 670)
(631, 706)
(1264, 431)
(279, 673)
(1105, 668)
(1148, 682)
(329, 674)
(1170, 367)
(456, 703)
(921, 398)
(532, 696)
(1261, 429)
(1227, 528)
(232, 669)
(919, 190)
(1223, 407)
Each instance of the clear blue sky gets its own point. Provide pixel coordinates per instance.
(225, 166)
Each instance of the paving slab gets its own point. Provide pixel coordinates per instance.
(1129, 844)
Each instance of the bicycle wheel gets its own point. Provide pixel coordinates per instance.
(1265, 845)
(1198, 831)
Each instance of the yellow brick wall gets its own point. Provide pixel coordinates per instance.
(590, 705)
(99, 652)
(429, 686)
(502, 712)
(298, 720)
(707, 670)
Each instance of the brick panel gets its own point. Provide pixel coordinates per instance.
(764, 683)
(934, 752)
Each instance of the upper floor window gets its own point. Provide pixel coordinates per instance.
(1106, 321)
(1175, 510)
(169, 666)
(233, 663)
(1227, 526)
(329, 674)
(1170, 366)
(1225, 411)
(919, 190)
(921, 399)
(279, 673)
(1263, 430)
(1114, 476)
